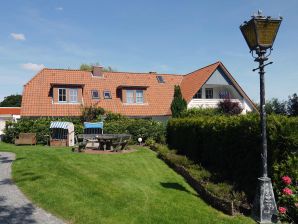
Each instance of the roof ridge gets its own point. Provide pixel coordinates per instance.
(145, 73)
(218, 62)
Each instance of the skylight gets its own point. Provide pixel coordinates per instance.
(107, 94)
(160, 79)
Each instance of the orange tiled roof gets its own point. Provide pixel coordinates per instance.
(193, 81)
(37, 101)
(10, 110)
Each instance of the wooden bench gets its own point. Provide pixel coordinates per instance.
(26, 139)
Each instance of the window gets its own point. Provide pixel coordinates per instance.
(198, 95)
(139, 96)
(209, 93)
(160, 79)
(62, 95)
(107, 94)
(129, 96)
(73, 95)
(95, 94)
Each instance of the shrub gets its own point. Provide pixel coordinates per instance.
(115, 124)
(223, 190)
(229, 107)
(196, 112)
(137, 128)
(150, 142)
(286, 188)
(92, 113)
(178, 104)
(231, 145)
(40, 126)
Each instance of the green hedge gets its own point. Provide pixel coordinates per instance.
(115, 124)
(231, 145)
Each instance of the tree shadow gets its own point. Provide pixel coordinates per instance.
(175, 186)
(5, 159)
(6, 181)
(14, 215)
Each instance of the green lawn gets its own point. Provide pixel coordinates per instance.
(124, 188)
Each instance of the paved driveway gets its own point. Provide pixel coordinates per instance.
(15, 208)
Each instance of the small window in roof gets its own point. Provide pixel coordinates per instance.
(95, 94)
(160, 79)
(107, 94)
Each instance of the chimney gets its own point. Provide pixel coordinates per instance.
(97, 71)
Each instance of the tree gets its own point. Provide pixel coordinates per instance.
(293, 105)
(89, 68)
(92, 113)
(275, 106)
(12, 101)
(178, 104)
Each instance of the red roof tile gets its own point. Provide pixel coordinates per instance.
(37, 101)
(10, 110)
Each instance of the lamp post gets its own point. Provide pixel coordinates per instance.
(260, 33)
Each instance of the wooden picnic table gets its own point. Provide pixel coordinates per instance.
(112, 141)
(107, 141)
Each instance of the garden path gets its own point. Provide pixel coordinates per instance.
(14, 206)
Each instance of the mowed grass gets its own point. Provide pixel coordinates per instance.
(119, 188)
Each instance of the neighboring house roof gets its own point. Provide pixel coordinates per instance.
(36, 100)
(10, 110)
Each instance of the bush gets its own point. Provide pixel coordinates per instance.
(178, 104)
(231, 145)
(229, 107)
(40, 126)
(92, 113)
(286, 176)
(197, 112)
(137, 128)
(207, 179)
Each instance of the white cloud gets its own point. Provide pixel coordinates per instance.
(18, 36)
(59, 8)
(33, 67)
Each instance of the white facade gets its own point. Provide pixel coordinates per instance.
(221, 87)
(4, 118)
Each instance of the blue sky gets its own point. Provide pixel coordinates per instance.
(168, 36)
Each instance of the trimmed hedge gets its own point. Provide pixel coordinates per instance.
(231, 145)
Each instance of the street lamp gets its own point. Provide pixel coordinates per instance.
(260, 33)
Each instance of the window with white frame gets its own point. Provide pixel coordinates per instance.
(198, 94)
(139, 96)
(129, 96)
(209, 93)
(73, 95)
(62, 95)
(95, 94)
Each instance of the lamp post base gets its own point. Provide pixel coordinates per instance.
(264, 208)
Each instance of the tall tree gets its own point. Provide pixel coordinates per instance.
(12, 101)
(89, 68)
(178, 104)
(293, 105)
(275, 106)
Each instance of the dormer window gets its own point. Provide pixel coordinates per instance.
(107, 94)
(62, 95)
(95, 94)
(73, 95)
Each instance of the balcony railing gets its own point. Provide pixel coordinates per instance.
(208, 103)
